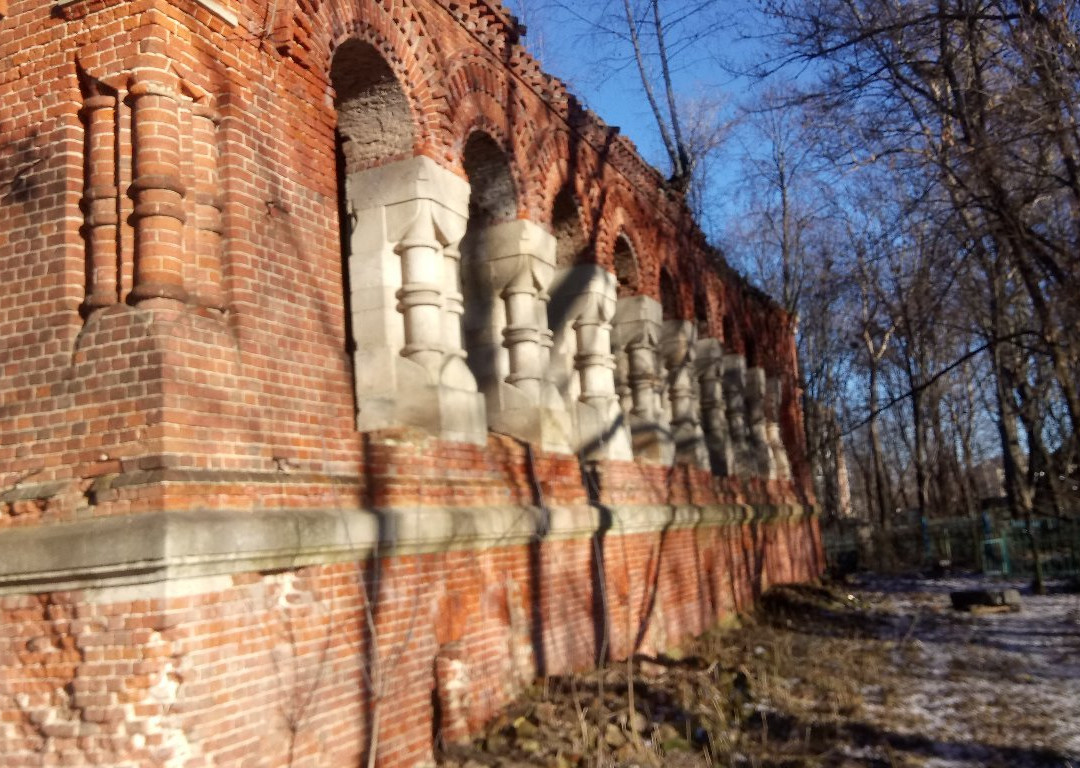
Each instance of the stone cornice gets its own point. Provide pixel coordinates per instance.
(159, 547)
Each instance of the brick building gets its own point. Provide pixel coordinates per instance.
(346, 365)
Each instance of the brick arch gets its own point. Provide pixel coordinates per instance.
(555, 166)
(669, 289)
(683, 260)
(375, 122)
(551, 173)
(408, 51)
(482, 96)
(478, 112)
(569, 225)
(626, 265)
(624, 214)
(615, 221)
(703, 309)
(616, 226)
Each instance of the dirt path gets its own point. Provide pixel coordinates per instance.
(880, 672)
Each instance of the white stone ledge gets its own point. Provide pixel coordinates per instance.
(161, 547)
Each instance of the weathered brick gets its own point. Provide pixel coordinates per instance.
(173, 338)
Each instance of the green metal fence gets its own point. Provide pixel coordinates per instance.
(999, 546)
(1055, 541)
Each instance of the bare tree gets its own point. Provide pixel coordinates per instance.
(979, 102)
(662, 41)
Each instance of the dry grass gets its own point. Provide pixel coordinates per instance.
(819, 677)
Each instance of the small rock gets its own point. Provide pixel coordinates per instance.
(970, 599)
(665, 732)
(651, 669)
(524, 728)
(531, 746)
(636, 722)
(614, 736)
(546, 712)
(677, 744)
(624, 753)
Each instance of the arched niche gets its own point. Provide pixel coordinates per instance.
(375, 122)
(374, 126)
(506, 268)
(670, 303)
(701, 309)
(492, 200)
(626, 267)
(729, 333)
(571, 243)
(402, 219)
(750, 348)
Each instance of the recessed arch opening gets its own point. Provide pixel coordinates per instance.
(571, 243)
(670, 303)
(729, 333)
(492, 200)
(493, 197)
(701, 309)
(375, 122)
(751, 353)
(626, 267)
(374, 127)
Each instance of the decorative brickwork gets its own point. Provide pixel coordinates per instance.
(348, 364)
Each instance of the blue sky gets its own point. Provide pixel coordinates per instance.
(609, 85)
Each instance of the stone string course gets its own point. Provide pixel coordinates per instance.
(310, 417)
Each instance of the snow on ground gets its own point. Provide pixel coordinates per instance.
(980, 689)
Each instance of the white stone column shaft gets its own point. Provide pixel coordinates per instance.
(756, 422)
(713, 414)
(678, 354)
(734, 385)
(420, 297)
(522, 335)
(510, 265)
(585, 299)
(773, 398)
(453, 302)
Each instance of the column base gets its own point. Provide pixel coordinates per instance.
(652, 442)
(511, 412)
(444, 411)
(721, 457)
(690, 450)
(762, 454)
(602, 432)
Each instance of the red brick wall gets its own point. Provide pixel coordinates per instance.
(279, 669)
(168, 385)
(235, 392)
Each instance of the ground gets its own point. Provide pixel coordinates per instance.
(873, 671)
